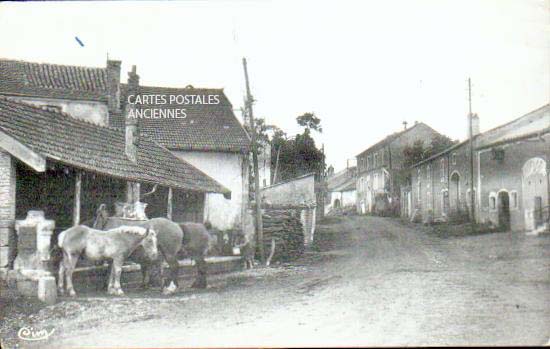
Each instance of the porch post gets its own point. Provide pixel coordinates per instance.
(169, 207)
(129, 192)
(77, 189)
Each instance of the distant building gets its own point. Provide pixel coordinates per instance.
(511, 183)
(377, 184)
(341, 191)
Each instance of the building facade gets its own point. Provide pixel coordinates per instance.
(510, 177)
(377, 183)
(341, 190)
(208, 136)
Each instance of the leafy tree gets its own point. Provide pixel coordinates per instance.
(310, 122)
(418, 152)
(299, 155)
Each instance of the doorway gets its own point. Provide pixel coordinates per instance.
(504, 211)
(454, 192)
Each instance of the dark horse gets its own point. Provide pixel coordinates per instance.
(191, 238)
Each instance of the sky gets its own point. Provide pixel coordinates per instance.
(363, 67)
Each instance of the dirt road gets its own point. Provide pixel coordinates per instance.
(392, 285)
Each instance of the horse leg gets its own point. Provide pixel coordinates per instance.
(271, 253)
(111, 279)
(174, 272)
(61, 275)
(146, 274)
(171, 284)
(106, 284)
(200, 281)
(69, 269)
(117, 271)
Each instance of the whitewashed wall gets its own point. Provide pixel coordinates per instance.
(230, 170)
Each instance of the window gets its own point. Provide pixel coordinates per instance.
(382, 158)
(375, 181)
(453, 159)
(375, 160)
(428, 171)
(442, 170)
(513, 199)
(419, 191)
(368, 162)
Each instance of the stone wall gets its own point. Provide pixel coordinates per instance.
(7, 211)
(297, 191)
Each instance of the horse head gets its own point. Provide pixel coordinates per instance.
(101, 217)
(150, 245)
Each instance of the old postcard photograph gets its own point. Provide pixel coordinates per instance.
(274, 173)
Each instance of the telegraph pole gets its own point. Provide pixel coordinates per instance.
(257, 191)
(471, 131)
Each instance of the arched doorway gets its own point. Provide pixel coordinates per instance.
(503, 202)
(454, 191)
(337, 203)
(534, 192)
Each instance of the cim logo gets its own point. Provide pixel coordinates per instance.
(32, 334)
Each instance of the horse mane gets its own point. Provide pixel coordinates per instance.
(134, 230)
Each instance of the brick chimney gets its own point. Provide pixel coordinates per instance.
(113, 85)
(132, 122)
(475, 125)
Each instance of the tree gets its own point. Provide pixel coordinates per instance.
(310, 122)
(299, 155)
(418, 152)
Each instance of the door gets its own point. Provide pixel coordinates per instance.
(538, 211)
(504, 211)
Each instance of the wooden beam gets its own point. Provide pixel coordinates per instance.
(169, 206)
(22, 152)
(77, 191)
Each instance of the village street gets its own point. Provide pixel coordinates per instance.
(383, 282)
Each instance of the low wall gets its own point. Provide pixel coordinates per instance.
(93, 278)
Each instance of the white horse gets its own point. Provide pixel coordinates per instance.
(114, 244)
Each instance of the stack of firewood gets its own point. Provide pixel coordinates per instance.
(285, 227)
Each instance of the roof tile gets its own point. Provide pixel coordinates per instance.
(98, 149)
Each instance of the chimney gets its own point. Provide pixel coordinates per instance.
(474, 127)
(131, 122)
(113, 85)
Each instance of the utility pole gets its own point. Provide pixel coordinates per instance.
(257, 191)
(471, 134)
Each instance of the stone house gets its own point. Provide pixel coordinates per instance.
(377, 167)
(341, 192)
(67, 167)
(209, 138)
(510, 176)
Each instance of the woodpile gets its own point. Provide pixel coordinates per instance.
(284, 226)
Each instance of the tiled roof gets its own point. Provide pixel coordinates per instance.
(206, 127)
(343, 180)
(532, 123)
(52, 80)
(390, 138)
(87, 146)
